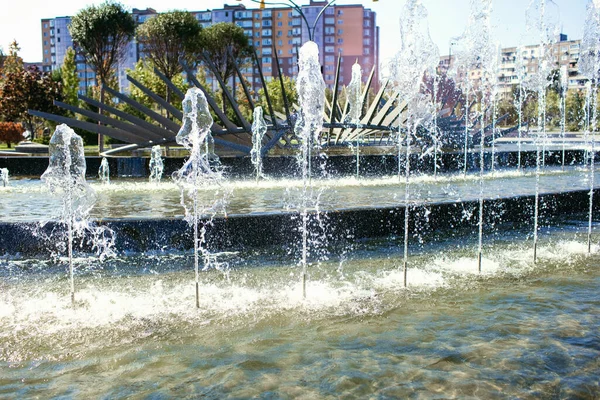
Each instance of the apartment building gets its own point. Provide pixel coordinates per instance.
(517, 64)
(347, 32)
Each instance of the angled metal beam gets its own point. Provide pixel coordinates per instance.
(88, 126)
(133, 129)
(234, 104)
(334, 101)
(276, 137)
(170, 84)
(264, 85)
(230, 126)
(129, 147)
(166, 122)
(234, 146)
(283, 94)
(367, 87)
(157, 130)
(241, 77)
(169, 107)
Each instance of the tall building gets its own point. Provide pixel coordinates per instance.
(347, 32)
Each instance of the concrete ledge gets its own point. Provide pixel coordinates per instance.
(244, 231)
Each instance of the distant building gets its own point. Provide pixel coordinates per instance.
(565, 53)
(349, 32)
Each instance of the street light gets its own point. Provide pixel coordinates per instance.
(297, 8)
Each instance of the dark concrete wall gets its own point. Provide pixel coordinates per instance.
(244, 231)
(371, 165)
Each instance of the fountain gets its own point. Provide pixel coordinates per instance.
(589, 65)
(355, 100)
(156, 164)
(259, 128)
(201, 170)
(104, 171)
(311, 96)
(65, 178)
(418, 56)
(359, 326)
(4, 176)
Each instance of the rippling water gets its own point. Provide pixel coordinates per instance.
(29, 200)
(518, 330)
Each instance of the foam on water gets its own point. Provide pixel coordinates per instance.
(108, 300)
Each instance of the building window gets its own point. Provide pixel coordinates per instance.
(45, 26)
(340, 21)
(367, 42)
(367, 22)
(340, 31)
(57, 30)
(340, 41)
(366, 32)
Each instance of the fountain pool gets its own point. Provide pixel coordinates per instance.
(25, 200)
(518, 329)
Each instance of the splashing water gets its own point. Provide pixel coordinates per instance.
(104, 171)
(417, 57)
(519, 100)
(355, 99)
(564, 87)
(588, 66)
(4, 176)
(542, 18)
(259, 128)
(311, 98)
(202, 169)
(156, 164)
(65, 177)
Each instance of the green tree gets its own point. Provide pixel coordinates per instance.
(226, 44)
(144, 74)
(552, 108)
(28, 89)
(276, 95)
(103, 33)
(69, 78)
(575, 110)
(170, 40)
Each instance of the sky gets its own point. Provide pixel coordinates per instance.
(20, 20)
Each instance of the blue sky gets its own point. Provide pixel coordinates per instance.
(447, 18)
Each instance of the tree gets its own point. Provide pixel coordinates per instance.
(69, 78)
(276, 96)
(11, 132)
(144, 74)
(103, 33)
(225, 44)
(13, 62)
(575, 110)
(2, 60)
(28, 89)
(170, 40)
